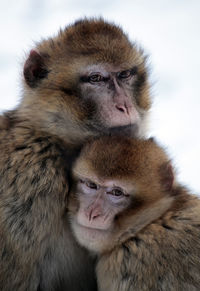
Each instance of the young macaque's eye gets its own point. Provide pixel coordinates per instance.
(116, 192)
(91, 185)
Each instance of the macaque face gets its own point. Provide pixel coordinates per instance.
(88, 80)
(99, 204)
(112, 92)
(117, 183)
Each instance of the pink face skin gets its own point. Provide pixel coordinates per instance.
(112, 90)
(99, 203)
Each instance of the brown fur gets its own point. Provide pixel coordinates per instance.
(86, 43)
(154, 244)
(38, 142)
(4, 122)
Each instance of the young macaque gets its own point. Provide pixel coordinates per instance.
(126, 206)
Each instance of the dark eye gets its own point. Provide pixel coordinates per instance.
(116, 192)
(91, 185)
(124, 74)
(95, 78)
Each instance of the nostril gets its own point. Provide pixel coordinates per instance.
(95, 216)
(121, 108)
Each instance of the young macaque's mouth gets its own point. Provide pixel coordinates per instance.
(91, 228)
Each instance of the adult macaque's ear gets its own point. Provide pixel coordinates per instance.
(167, 176)
(34, 69)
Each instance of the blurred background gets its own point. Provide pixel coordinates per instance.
(169, 30)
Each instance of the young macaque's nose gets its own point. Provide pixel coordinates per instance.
(94, 213)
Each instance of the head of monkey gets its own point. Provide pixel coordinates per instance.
(118, 184)
(88, 79)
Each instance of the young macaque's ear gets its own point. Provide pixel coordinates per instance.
(34, 69)
(167, 176)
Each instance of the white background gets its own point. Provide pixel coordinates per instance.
(169, 30)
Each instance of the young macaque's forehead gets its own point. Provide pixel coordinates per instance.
(120, 158)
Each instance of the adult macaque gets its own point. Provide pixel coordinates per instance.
(88, 80)
(126, 207)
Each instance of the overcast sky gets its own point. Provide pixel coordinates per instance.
(169, 30)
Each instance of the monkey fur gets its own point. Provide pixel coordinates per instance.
(41, 137)
(153, 243)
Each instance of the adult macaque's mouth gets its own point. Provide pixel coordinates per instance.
(125, 130)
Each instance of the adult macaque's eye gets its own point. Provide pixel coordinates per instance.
(95, 78)
(125, 74)
(91, 185)
(116, 192)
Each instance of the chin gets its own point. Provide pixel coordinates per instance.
(90, 238)
(137, 129)
(124, 130)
